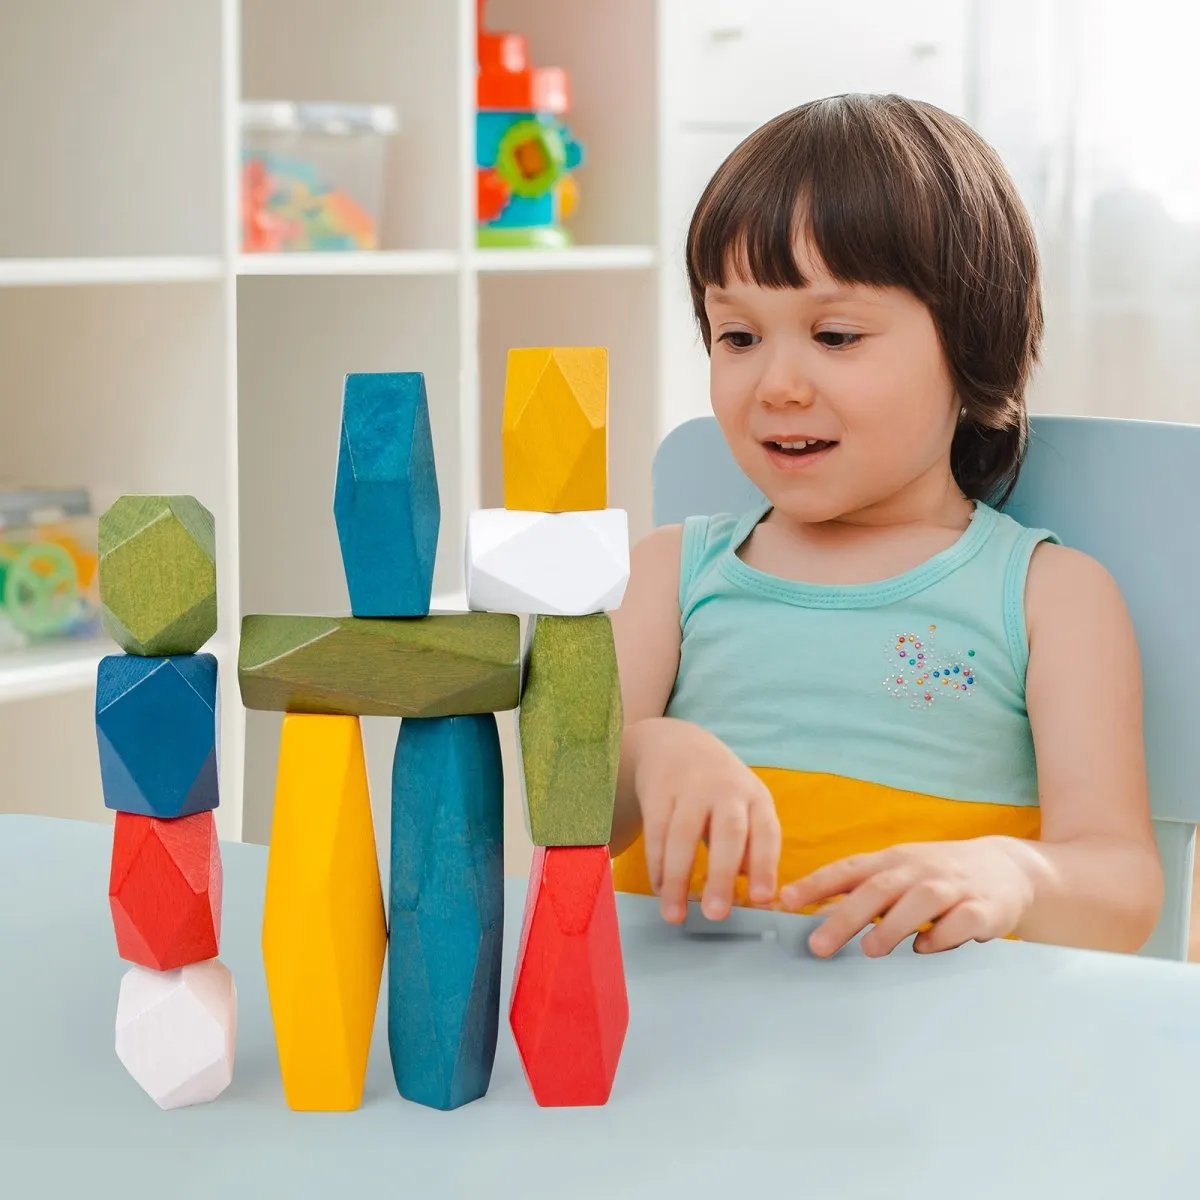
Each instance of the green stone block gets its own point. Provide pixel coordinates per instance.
(570, 725)
(158, 574)
(440, 665)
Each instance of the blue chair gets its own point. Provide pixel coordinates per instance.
(1125, 492)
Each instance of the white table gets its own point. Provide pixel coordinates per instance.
(1006, 1071)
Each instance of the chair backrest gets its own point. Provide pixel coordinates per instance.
(1125, 492)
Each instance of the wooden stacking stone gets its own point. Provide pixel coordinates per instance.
(164, 889)
(569, 1010)
(555, 429)
(570, 726)
(156, 730)
(446, 925)
(445, 664)
(158, 574)
(324, 932)
(385, 500)
(176, 1031)
(559, 564)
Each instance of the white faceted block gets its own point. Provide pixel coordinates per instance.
(551, 564)
(176, 1031)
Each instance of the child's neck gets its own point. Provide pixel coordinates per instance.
(874, 542)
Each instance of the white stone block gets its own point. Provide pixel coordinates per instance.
(176, 1031)
(552, 564)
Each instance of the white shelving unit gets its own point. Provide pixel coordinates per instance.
(141, 351)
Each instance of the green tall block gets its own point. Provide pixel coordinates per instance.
(158, 574)
(441, 665)
(570, 725)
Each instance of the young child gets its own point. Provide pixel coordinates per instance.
(877, 689)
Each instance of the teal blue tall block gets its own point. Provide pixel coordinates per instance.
(156, 731)
(385, 500)
(446, 926)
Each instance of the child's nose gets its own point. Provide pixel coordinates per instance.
(784, 384)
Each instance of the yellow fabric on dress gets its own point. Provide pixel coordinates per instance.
(828, 817)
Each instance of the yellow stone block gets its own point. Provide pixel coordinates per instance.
(324, 932)
(555, 430)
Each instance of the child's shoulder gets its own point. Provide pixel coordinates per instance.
(671, 557)
(1072, 599)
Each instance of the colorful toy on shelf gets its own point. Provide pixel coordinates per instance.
(524, 153)
(313, 176)
(48, 579)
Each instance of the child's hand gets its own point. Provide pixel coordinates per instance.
(945, 892)
(692, 787)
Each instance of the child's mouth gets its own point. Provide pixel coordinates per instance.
(798, 453)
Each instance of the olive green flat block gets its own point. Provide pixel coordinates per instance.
(440, 665)
(158, 574)
(570, 725)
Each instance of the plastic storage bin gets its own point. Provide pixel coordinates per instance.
(313, 175)
(49, 585)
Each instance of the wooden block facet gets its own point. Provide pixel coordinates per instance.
(324, 931)
(177, 1031)
(385, 501)
(570, 1010)
(570, 726)
(447, 908)
(555, 429)
(156, 728)
(158, 574)
(558, 564)
(164, 890)
(446, 664)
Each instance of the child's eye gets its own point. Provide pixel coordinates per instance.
(739, 339)
(838, 339)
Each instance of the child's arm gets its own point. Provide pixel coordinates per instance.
(647, 634)
(1096, 876)
(679, 784)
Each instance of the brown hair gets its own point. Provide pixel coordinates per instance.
(893, 192)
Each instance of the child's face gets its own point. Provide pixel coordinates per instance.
(858, 368)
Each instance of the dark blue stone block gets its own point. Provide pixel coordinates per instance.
(156, 727)
(385, 500)
(446, 922)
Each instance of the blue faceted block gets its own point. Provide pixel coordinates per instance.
(385, 500)
(446, 926)
(156, 727)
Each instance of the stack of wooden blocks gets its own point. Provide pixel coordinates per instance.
(555, 552)
(156, 728)
(325, 931)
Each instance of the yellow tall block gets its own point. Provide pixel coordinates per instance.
(324, 932)
(555, 429)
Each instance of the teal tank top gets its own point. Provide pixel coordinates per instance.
(914, 682)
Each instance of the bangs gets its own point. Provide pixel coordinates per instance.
(867, 205)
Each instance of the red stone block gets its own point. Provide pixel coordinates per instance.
(569, 1009)
(164, 889)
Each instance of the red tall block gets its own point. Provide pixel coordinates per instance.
(569, 1009)
(164, 889)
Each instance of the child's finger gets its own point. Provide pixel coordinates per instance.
(727, 833)
(919, 906)
(859, 909)
(964, 922)
(679, 856)
(831, 880)
(655, 824)
(766, 842)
